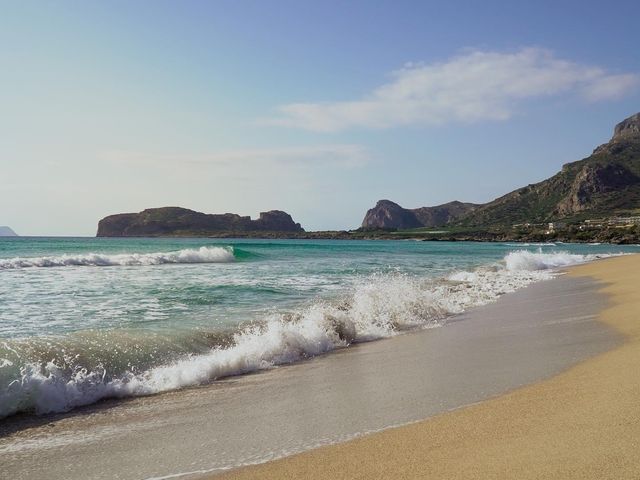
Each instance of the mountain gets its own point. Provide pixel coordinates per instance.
(387, 214)
(184, 222)
(604, 184)
(7, 232)
(607, 183)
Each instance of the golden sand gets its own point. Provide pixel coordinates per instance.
(581, 424)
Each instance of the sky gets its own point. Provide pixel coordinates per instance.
(316, 108)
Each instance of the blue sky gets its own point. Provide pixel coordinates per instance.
(316, 108)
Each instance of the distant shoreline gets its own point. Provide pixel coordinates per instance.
(355, 235)
(607, 237)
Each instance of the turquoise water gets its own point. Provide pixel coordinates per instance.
(87, 318)
(262, 275)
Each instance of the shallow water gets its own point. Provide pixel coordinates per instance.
(87, 318)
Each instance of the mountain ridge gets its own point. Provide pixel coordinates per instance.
(605, 183)
(387, 214)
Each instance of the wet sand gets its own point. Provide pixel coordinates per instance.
(525, 337)
(581, 424)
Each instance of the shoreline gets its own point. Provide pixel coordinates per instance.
(383, 236)
(328, 399)
(582, 423)
(353, 235)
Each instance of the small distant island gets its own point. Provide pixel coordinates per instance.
(7, 232)
(596, 199)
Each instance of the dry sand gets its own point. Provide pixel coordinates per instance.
(582, 424)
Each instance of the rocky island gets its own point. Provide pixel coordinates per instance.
(7, 232)
(176, 221)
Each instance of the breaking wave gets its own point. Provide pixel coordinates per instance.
(526, 260)
(200, 255)
(61, 377)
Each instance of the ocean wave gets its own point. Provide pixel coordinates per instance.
(200, 255)
(530, 261)
(534, 244)
(379, 306)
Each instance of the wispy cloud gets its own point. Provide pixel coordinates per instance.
(474, 86)
(340, 156)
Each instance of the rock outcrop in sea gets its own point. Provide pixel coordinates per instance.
(7, 232)
(179, 221)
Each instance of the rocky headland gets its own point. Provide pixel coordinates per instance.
(604, 186)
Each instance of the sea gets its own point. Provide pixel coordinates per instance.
(83, 319)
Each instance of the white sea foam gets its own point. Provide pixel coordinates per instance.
(379, 306)
(525, 260)
(200, 255)
(534, 244)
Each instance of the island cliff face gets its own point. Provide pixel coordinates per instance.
(168, 221)
(606, 183)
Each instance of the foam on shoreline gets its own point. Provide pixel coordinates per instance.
(379, 306)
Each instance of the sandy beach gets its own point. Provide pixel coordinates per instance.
(583, 423)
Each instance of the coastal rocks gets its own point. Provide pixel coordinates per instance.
(169, 221)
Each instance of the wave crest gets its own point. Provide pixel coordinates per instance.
(379, 306)
(530, 261)
(189, 255)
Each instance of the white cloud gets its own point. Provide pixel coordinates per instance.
(474, 86)
(610, 86)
